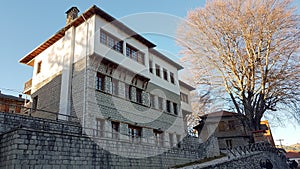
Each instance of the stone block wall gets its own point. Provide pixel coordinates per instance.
(42, 143)
(48, 97)
(251, 161)
(104, 105)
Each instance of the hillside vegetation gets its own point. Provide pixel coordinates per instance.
(294, 147)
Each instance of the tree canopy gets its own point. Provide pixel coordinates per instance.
(247, 47)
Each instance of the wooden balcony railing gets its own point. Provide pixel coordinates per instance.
(27, 86)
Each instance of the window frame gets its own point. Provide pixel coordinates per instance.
(100, 85)
(152, 100)
(151, 66)
(231, 125)
(111, 41)
(157, 70)
(135, 54)
(35, 103)
(158, 138)
(100, 127)
(172, 79)
(184, 97)
(114, 86)
(139, 95)
(175, 108)
(115, 129)
(127, 91)
(165, 74)
(39, 67)
(222, 126)
(160, 103)
(168, 106)
(135, 133)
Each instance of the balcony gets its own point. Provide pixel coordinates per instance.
(27, 87)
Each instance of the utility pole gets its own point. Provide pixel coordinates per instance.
(280, 142)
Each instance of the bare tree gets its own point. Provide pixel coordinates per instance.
(248, 47)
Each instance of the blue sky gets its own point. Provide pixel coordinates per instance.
(26, 24)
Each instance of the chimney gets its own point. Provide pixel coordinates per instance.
(20, 95)
(72, 14)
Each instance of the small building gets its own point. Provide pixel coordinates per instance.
(11, 104)
(265, 134)
(226, 126)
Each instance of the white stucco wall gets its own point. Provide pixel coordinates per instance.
(52, 60)
(160, 81)
(84, 39)
(186, 106)
(132, 65)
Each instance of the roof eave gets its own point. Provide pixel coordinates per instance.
(187, 86)
(94, 10)
(162, 56)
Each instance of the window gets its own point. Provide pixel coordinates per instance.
(6, 108)
(141, 58)
(152, 100)
(168, 106)
(229, 143)
(184, 97)
(39, 67)
(175, 108)
(178, 138)
(150, 66)
(165, 73)
(115, 126)
(135, 133)
(111, 41)
(158, 138)
(115, 87)
(134, 54)
(100, 82)
(100, 127)
(172, 78)
(171, 139)
(222, 126)
(157, 69)
(127, 92)
(231, 125)
(34, 103)
(160, 103)
(139, 95)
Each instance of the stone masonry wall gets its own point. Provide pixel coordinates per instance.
(30, 142)
(117, 108)
(49, 89)
(251, 161)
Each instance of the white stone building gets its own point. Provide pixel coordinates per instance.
(111, 78)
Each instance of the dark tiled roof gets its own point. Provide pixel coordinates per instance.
(292, 154)
(183, 84)
(220, 113)
(165, 58)
(4, 96)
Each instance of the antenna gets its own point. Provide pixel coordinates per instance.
(280, 142)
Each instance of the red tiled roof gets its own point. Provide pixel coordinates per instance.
(292, 154)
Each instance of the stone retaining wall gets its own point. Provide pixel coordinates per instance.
(29, 142)
(250, 161)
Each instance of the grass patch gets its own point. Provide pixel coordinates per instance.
(199, 161)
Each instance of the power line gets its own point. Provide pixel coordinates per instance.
(11, 90)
